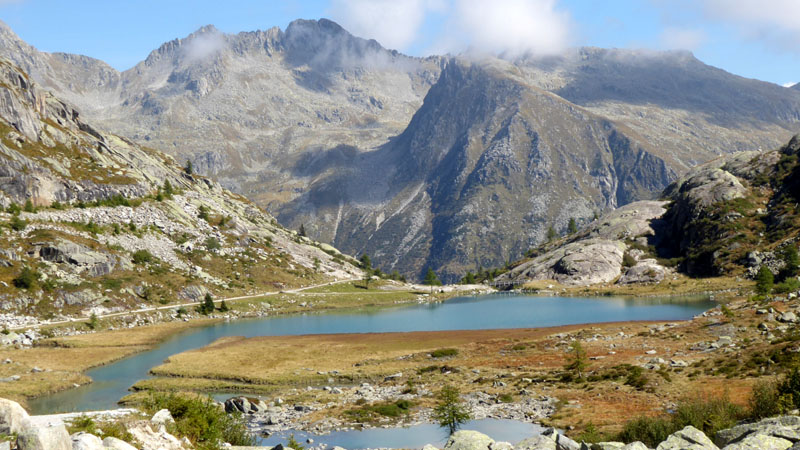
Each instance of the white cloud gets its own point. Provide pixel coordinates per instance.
(513, 27)
(510, 27)
(393, 23)
(771, 21)
(204, 45)
(682, 38)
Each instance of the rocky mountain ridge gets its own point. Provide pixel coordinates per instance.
(729, 216)
(449, 163)
(93, 223)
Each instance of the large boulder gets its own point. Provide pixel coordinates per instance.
(245, 405)
(538, 442)
(784, 427)
(86, 441)
(112, 443)
(689, 438)
(13, 418)
(468, 440)
(760, 442)
(162, 417)
(562, 442)
(44, 436)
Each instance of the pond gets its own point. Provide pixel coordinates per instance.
(495, 311)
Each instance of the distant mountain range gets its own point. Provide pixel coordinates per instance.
(444, 162)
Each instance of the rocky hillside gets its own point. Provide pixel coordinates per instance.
(93, 223)
(484, 168)
(730, 216)
(422, 162)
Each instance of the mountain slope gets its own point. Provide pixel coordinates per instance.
(485, 167)
(108, 225)
(730, 217)
(330, 131)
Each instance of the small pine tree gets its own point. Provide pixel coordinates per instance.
(450, 412)
(791, 260)
(469, 278)
(577, 361)
(764, 281)
(302, 231)
(207, 307)
(93, 322)
(573, 226)
(224, 307)
(189, 169)
(551, 234)
(29, 206)
(366, 263)
(431, 279)
(367, 277)
(167, 188)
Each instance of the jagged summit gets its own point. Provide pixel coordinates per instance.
(371, 150)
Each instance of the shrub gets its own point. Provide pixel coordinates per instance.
(201, 420)
(142, 257)
(764, 400)
(764, 281)
(707, 415)
(27, 279)
(444, 352)
(649, 430)
(788, 285)
(17, 224)
(212, 244)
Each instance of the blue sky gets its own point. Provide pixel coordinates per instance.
(753, 38)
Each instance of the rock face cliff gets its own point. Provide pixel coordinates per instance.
(729, 216)
(95, 223)
(435, 162)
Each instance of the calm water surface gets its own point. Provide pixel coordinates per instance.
(409, 437)
(111, 382)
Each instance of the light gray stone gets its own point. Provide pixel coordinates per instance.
(468, 440)
(86, 441)
(760, 442)
(689, 438)
(162, 417)
(13, 418)
(538, 442)
(112, 443)
(44, 437)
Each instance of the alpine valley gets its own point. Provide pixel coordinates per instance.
(450, 163)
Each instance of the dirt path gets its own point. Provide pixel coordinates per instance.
(179, 305)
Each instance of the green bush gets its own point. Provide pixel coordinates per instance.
(17, 224)
(764, 281)
(628, 260)
(764, 400)
(787, 286)
(27, 279)
(201, 420)
(707, 415)
(649, 430)
(213, 244)
(444, 352)
(142, 257)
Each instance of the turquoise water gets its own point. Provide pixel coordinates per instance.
(111, 382)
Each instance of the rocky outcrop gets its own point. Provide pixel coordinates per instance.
(98, 207)
(595, 255)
